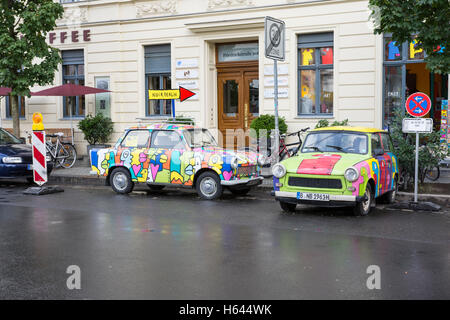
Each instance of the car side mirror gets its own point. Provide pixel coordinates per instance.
(23, 140)
(378, 152)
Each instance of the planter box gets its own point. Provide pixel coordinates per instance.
(95, 146)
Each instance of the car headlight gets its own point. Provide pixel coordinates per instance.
(262, 159)
(351, 174)
(234, 163)
(279, 170)
(12, 160)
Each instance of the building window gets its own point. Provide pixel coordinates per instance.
(21, 101)
(404, 73)
(73, 72)
(315, 74)
(157, 77)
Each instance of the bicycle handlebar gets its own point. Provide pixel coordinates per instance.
(298, 132)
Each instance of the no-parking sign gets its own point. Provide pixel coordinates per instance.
(418, 104)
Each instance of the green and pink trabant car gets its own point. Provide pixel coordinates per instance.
(338, 166)
(178, 155)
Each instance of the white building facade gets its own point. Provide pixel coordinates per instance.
(335, 67)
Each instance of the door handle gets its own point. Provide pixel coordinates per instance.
(246, 115)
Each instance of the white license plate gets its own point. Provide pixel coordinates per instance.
(313, 196)
(30, 167)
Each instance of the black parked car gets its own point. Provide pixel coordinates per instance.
(16, 160)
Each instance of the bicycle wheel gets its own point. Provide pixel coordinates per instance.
(284, 154)
(433, 173)
(51, 151)
(67, 155)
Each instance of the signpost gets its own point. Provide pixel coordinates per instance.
(417, 105)
(417, 125)
(274, 44)
(171, 94)
(39, 152)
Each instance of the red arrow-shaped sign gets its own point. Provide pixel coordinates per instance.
(185, 94)
(170, 94)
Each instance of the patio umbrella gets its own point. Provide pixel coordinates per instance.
(4, 91)
(69, 90)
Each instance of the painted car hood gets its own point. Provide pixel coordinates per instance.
(15, 149)
(322, 163)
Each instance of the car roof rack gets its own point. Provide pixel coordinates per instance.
(188, 121)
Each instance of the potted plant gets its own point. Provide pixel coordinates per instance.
(181, 119)
(325, 123)
(262, 127)
(96, 130)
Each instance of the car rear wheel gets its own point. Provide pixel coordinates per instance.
(389, 197)
(288, 207)
(240, 192)
(208, 186)
(363, 208)
(120, 181)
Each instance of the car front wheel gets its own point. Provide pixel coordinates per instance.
(208, 186)
(363, 208)
(120, 181)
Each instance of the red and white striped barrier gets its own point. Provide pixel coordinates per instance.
(39, 157)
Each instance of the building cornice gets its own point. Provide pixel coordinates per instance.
(175, 16)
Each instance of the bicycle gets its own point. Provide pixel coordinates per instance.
(284, 152)
(432, 173)
(62, 154)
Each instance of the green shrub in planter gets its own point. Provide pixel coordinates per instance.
(182, 120)
(96, 129)
(267, 122)
(325, 123)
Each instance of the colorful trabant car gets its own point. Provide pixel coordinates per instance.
(339, 166)
(174, 154)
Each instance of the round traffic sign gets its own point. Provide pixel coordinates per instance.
(275, 33)
(418, 104)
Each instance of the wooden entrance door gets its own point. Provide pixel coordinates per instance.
(238, 97)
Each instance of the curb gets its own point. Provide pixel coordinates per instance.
(74, 180)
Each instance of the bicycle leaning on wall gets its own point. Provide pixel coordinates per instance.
(63, 154)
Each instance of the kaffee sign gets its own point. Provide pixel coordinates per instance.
(70, 37)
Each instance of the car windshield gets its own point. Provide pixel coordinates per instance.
(332, 141)
(199, 138)
(8, 138)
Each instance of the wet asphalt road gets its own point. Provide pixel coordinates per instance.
(171, 245)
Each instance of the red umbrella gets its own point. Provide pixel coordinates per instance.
(69, 90)
(4, 91)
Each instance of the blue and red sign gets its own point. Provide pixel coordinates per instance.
(418, 104)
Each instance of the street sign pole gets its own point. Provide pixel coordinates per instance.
(417, 105)
(173, 109)
(416, 170)
(274, 31)
(277, 132)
